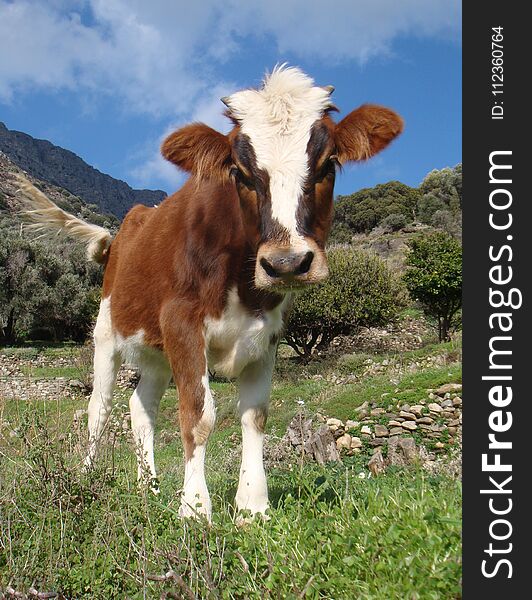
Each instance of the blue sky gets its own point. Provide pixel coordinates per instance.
(108, 79)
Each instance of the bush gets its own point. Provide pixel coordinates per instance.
(434, 277)
(393, 222)
(361, 291)
(362, 211)
(46, 289)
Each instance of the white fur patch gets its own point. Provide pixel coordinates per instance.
(195, 500)
(278, 119)
(239, 338)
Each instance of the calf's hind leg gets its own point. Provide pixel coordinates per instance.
(106, 365)
(144, 404)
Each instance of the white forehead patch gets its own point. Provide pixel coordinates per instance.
(278, 119)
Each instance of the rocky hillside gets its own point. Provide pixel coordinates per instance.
(65, 169)
(63, 198)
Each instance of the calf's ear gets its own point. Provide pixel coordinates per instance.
(365, 132)
(199, 149)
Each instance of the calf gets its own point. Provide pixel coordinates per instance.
(204, 281)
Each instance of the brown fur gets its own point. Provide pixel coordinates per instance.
(199, 149)
(171, 267)
(366, 131)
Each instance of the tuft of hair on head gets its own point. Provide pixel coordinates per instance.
(286, 96)
(48, 219)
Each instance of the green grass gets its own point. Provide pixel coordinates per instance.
(51, 372)
(334, 532)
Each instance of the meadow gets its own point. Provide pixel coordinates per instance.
(335, 531)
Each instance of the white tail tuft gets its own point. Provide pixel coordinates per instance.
(47, 217)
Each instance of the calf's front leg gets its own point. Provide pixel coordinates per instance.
(253, 399)
(185, 348)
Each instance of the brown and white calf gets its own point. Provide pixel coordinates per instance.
(204, 281)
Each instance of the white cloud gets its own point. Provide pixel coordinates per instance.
(168, 57)
(347, 29)
(160, 56)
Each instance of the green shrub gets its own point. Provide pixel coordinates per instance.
(48, 290)
(361, 291)
(393, 222)
(362, 211)
(434, 277)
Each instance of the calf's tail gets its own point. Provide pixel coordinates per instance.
(47, 218)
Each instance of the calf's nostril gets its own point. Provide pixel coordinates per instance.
(304, 265)
(268, 268)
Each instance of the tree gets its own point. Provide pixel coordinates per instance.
(441, 191)
(362, 211)
(434, 277)
(393, 222)
(361, 291)
(45, 289)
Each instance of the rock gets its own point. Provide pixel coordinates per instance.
(405, 407)
(453, 430)
(402, 451)
(433, 407)
(438, 428)
(457, 401)
(447, 403)
(454, 423)
(377, 441)
(439, 445)
(356, 442)
(446, 414)
(377, 412)
(363, 409)
(321, 446)
(407, 415)
(417, 409)
(394, 423)
(448, 387)
(425, 421)
(344, 442)
(381, 431)
(376, 464)
(76, 383)
(337, 432)
(365, 429)
(410, 425)
(408, 446)
(396, 431)
(334, 424)
(351, 424)
(299, 431)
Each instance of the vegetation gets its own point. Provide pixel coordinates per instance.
(334, 531)
(362, 211)
(434, 277)
(361, 291)
(393, 205)
(47, 291)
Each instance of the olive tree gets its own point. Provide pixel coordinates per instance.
(434, 277)
(361, 291)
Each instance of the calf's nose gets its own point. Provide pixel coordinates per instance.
(287, 264)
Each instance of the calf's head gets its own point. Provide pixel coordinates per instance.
(282, 156)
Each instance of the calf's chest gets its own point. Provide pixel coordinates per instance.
(239, 337)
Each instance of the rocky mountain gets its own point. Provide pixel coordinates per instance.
(66, 200)
(64, 169)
